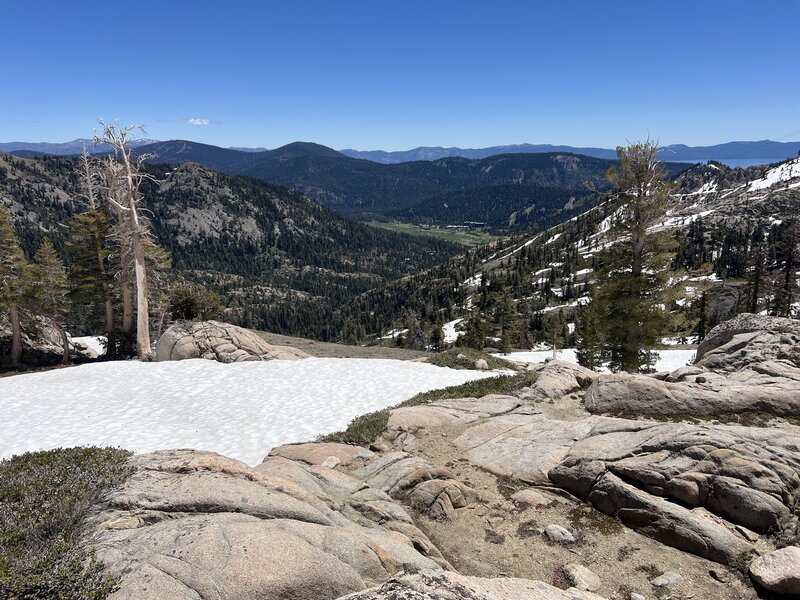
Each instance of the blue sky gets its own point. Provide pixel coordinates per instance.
(396, 75)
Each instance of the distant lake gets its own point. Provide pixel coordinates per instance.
(736, 162)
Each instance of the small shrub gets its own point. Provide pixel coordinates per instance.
(45, 498)
(450, 359)
(361, 430)
(365, 429)
(503, 384)
(192, 301)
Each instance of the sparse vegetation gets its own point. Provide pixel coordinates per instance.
(450, 358)
(366, 428)
(44, 500)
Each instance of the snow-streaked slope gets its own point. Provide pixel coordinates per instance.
(783, 172)
(451, 334)
(241, 410)
(668, 360)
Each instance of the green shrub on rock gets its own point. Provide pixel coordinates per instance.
(45, 498)
(191, 302)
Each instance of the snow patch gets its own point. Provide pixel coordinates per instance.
(393, 334)
(785, 172)
(553, 239)
(668, 360)
(93, 342)
(450, 333)
(241, 410)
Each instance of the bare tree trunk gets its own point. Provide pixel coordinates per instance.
(64, 343)
(125, 197)
(142, 308)
(16, 337)
(127, 307)
(109, 313)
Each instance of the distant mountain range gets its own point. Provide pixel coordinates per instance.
(763, 150)
(506, 192)
(27, 149)
(366, 190)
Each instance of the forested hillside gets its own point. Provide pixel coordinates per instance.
(280, 260)
(731, 243)
(502, 208)
(364, 188)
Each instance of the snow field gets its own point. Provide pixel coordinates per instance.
(240, 410)
(668, 360)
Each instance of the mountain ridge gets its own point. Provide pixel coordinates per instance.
(733, 150)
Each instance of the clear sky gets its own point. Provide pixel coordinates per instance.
(374, 74)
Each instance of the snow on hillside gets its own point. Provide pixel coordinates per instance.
(451, 335)
(241, 410)
(668, 360)
(783, 172)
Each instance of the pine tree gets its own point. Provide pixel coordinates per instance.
(415, 338)
(90, 269)
(13, 267)
(631, 289)
(49, 279)
(555, 331)
(701, 322)
(755, 279)
(474, 331)
(437, 336)
(589, 337)
(787, 250)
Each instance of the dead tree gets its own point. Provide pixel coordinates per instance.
(123, 177)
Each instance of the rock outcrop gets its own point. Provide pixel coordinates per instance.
(195, 524)
(750, 364)
(219, 341)
(325, 520)
(452, 586)
(779, 571)
(687, 485)
(41, 342)
(431, 490)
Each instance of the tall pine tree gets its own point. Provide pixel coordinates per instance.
(49, 280)
(631, 286)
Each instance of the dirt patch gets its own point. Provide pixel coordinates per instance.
(492, 536)
(329, 350)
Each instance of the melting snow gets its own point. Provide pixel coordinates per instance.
(450, 333)
(785, 172)
(681, 220)
(707, 188)
(668, 360)
(393, 334)
(474, 280)
(553, 239)
(241, 410)
(96, 343)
